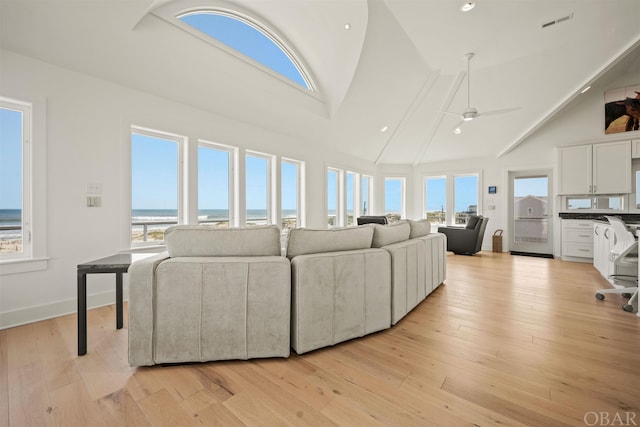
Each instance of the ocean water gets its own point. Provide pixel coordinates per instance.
(157, 215)
(10, 218)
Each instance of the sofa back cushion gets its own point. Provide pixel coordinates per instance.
(304, 241)
(197, 240)
(388, 234)
(419, 228)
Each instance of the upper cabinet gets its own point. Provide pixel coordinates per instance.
(596, 169)
(635, 149)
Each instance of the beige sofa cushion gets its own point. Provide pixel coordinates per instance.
(384, 235)
(419, 228)
(198, 240)
(304, 241)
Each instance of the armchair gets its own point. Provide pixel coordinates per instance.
(467, 240)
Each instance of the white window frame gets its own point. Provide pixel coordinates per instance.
(26, 212)
(450, 193)
(339, 221)
(272, 192)
(172, 13)
(355, 198)
(403, 194)
(300, 192)
(233, 182)
(370, 194)
(181, 142)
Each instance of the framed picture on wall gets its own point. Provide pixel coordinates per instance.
(622, 109)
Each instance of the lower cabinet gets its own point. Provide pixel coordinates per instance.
(603, 240)
(577, 240)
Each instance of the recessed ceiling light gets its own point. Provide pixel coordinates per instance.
(457, 131)
(384, 129)
(585, 89)
(347, 26)
(467, 6)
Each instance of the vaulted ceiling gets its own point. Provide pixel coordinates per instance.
(400, 65)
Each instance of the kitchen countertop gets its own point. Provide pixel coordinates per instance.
(600, 216)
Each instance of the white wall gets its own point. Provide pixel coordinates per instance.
(87, 138)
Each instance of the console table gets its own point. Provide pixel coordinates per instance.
(117, 264)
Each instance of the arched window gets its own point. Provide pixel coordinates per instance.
(250, 39)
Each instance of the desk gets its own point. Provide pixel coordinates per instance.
(117, 264)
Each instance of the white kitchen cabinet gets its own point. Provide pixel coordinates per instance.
(603, 168)
(635, 149)
(603, 240)
(577, 240)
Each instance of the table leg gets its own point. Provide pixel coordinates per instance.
(82, 314)
(118, 300)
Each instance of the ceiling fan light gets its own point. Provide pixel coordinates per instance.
(457, 131)
(467, 6)
(467, 118)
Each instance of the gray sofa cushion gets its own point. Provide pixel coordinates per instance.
(196, 240)
(304, 241)
(384, 235)
(419, 228)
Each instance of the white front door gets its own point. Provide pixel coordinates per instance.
(530, 206)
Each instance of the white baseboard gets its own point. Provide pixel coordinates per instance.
(10, 319)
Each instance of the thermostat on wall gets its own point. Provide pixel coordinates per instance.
(493, 189)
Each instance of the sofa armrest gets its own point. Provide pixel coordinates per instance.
(141, 291)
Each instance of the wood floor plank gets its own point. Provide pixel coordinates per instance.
(4, 380)
(161, 409)
(507, 340)
(57, 362)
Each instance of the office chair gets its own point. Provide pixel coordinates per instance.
(625, 259)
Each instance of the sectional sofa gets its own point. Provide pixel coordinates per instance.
(231, 294)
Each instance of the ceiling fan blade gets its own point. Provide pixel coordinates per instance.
(452, 113)
(496, 112)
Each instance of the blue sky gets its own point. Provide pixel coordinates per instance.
(10, 159)
(155, 177)
(247, 40)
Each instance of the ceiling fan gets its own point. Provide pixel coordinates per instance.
(470, 112)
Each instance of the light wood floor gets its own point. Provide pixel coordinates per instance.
(507, 340)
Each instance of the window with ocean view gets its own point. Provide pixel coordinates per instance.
(351, 182)
(15, 124)
(333, 201)
(290, 174)
(435, 200)
(155, 183)
(451, 199)
(214, 185)
(258, 189)
(349, 196)
(366, 191)
(394, 198)
(466, 197)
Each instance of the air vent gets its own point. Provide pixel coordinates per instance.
(556, 21)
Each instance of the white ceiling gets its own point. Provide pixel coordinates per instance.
(400, 65)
